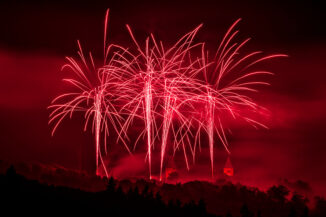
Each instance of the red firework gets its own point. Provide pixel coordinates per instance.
(96, 95)
(163, 87)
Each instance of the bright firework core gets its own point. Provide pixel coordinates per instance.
(173, 91)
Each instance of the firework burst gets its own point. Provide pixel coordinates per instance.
(96, 95)
(161, 81)
(164, 87)
(229, 79)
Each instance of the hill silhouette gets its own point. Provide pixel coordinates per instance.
(20, 195)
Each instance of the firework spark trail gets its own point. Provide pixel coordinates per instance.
(173, 98)
(210, 129)
(169, 79)
(167, 119)
(227, 97)
(97, 107)
(81, 102)
(178, 78)
(98, 119)
(95, 96)
(163, 87)
(141, 73)
(148, 113)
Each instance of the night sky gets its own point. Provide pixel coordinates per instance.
(35, 37)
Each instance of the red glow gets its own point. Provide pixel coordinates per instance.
(293, 148)
(169, 172)
(228, 169)
(163, 83)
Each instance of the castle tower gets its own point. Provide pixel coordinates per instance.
(228, 168)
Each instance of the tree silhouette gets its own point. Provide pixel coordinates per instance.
(228, 214)
(293, 212)
(305, 212)
(11, 172)
(278, 193)
(244, 211)
(33, 198)
(320, 207)
(111, 185)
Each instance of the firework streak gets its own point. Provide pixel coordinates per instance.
(178, 92)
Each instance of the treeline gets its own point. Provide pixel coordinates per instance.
(22, 196)
(27, 197)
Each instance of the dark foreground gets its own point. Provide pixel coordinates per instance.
(22, 196)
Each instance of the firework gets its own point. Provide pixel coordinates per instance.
(161, 81)
(164, 88)
(228, 80)
(96, 90)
